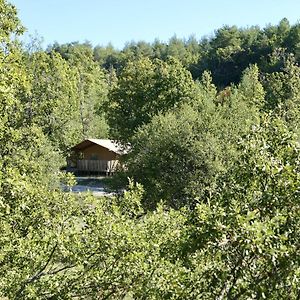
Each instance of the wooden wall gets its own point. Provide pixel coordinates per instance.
(99, 153)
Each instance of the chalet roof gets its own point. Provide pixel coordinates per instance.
(108, 144)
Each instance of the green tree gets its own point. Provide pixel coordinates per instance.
(179, 155)
(10, 23)
(108, 57)
(251, 87)
(90, 89)
(145, 89)
(282, 92)
(247, 234)
(51, 103)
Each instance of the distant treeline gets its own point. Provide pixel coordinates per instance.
(225, 54)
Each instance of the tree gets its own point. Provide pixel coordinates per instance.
(247, 233)
(283, 90)
(10, 23)
(179, 155)
(251, 88)
(51, 103)
(92, 91)
(27, 168)
(145, 89)
(108, 57)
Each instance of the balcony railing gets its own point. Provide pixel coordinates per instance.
(107, 166)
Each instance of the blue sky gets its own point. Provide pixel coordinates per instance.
(121, 21)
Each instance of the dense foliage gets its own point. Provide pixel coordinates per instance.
(226, 54)
(145, 89)
(211, 202)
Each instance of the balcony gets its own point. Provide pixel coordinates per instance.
(97, 166)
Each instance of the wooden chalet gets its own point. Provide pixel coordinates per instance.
(95, 156)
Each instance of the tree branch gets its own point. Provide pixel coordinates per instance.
(37, 275)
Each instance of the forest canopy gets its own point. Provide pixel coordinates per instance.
(209, 202)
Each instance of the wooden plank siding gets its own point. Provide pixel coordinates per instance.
(87, 165)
